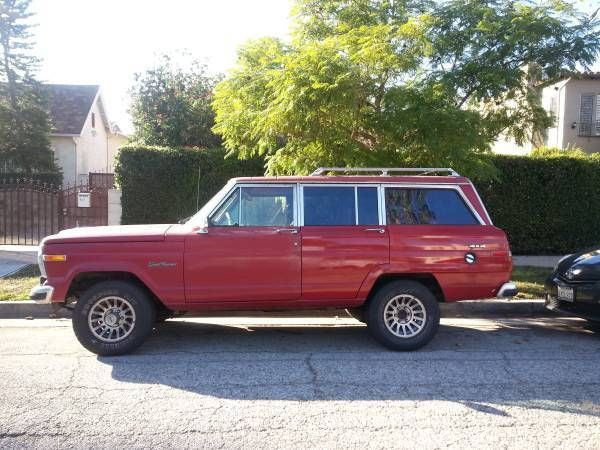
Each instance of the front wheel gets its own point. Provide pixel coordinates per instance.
(113, 318)
(403, 315)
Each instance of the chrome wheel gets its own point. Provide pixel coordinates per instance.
(404, 316)
(111, 319)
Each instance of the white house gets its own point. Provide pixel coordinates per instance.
(574, 102)
(82, 138)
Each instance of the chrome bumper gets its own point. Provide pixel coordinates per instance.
(41, 293)
(507, 290)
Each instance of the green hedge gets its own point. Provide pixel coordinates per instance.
(545, 205)
(160, 185)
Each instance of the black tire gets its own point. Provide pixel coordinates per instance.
(142, 306)
(358, 314)
(428, 326)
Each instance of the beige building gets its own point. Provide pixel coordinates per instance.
(82, 138)
(574, 102)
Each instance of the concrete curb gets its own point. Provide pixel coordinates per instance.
(472, 308)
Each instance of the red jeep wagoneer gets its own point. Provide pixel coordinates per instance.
(387, 244)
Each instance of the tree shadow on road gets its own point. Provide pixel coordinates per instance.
(524, 362)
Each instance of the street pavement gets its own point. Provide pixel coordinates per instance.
(301, 383)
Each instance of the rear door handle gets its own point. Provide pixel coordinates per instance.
(376, 230)
(287, 230)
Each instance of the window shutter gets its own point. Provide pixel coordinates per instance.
(586, 110)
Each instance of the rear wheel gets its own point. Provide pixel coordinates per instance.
(113, 318)
(403, 315)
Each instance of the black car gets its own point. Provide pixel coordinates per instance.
(574, 285)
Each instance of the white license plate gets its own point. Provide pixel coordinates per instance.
(565, 294)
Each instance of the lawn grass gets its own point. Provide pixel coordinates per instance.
(530, 280)
(18, 285)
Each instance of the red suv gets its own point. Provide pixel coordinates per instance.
(387, 247)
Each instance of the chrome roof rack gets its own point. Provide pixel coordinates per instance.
(383, 171)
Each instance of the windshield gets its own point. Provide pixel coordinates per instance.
(201, 217)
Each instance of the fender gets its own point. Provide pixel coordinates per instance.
(388, 269)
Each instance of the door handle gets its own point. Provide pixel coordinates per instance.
(377, 230)
(287, 230)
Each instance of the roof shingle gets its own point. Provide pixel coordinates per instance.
(69, 106)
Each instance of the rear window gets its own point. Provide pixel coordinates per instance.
(406, 206)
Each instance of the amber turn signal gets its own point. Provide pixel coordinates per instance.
(54, 258)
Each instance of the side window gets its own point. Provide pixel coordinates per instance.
(329, 205)
(267, 207)
(368, 211)
(340, 205)
(256, 207)
(406, 206)
(228, 214)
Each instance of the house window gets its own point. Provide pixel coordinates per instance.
(589, 115)
(93, 120)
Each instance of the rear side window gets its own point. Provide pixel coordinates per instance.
(340, 205)
(406, 206)
(329, 206)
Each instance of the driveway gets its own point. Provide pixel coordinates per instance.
(304, 383)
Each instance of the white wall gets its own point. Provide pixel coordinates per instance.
(66, 157)
(569, 136)
(92, 146)
(114, 142)
(114, 207)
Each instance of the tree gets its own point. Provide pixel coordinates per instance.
(171, 106)
(24, 122)
(384, 82)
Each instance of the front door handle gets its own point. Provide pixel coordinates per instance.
(376, 230)
(287, 230)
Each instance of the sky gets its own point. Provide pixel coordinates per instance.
(106, 42)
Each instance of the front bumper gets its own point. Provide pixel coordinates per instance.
(41, 294)
(586, 301)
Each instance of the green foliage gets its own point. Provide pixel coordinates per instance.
(546, 205)
(171, 106)
(24, 122)
(160, 184)
(412, 83)
(555, 152)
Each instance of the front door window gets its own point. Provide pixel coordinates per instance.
(257, 207)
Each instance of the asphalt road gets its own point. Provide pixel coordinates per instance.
(512, 383)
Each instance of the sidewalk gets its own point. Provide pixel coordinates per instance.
(536, 260)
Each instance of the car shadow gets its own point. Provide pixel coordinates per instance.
(549, 364)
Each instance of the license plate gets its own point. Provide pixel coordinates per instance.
(565, 294)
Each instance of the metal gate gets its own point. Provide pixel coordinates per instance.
(30, 210)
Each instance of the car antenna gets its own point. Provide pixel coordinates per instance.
(198, 190)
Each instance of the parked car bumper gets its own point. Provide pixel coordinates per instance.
(586, 298)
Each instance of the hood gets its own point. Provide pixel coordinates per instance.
(122, 233)
(582, 266)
